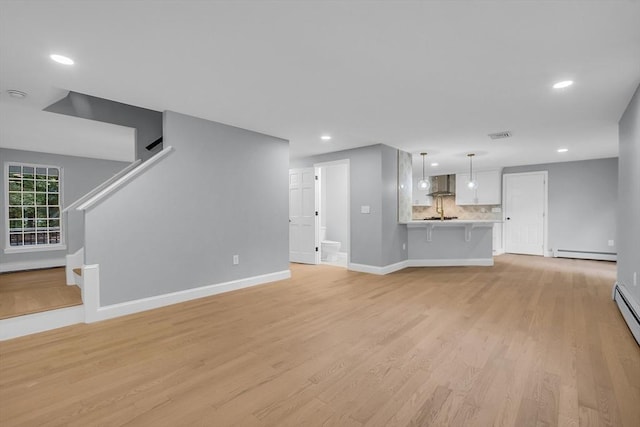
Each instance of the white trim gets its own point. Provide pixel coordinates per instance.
(123, 180)
(130, 307)
(91, 292)
(625, 309)
(27, 324)
(63, 230)
(35, 248)
(317, 206)
(627, 294)
(372, 269)
(462, 262)
(32, 265)
(600, 256)
(102, 186)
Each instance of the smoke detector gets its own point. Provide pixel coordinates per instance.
(17, 93)
(500, 135)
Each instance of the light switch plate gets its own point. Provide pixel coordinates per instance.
(365, 209)
(610, 242)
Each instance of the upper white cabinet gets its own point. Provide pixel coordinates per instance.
(420, 197)
(488, 190)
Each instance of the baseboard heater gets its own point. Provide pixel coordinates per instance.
(600, 256)
(629, 309)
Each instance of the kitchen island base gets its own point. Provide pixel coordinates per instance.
(450, 243)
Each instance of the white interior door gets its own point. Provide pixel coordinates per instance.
(302, 216)
(525, 201)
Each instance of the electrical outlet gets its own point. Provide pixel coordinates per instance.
(497, 209)
(236, 259)
(365, 209)
(404, 246)
(610, 242)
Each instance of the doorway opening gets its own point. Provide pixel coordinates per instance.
(333, 212)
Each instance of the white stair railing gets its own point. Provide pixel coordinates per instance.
(102, 186)
(123, 180)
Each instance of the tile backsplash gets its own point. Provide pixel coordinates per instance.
(451, 209)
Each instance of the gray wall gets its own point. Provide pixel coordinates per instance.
(582, 203)
(148, 123)
(223, 191)
(393, 234)
(80, 175)
(629, 197)
(376, 238)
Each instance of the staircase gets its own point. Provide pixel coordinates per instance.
(86, 277)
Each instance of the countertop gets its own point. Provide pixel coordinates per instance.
(452, 222)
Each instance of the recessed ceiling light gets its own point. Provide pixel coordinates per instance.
(325, 137)
(17, 93)
(434, 164)
(61, 59)
(562, 150)
(563, 84)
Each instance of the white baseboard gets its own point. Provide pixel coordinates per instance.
(487, 262)
(32, 265)
(130, 307)
(372, 269)
(27, 324)
(629, 309)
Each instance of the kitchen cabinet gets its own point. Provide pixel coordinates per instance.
(420, 197)
(488, 191)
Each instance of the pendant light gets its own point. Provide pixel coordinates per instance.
(424, 183)
(472, 184)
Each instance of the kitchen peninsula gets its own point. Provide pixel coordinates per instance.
(440, 240)
(454, 242)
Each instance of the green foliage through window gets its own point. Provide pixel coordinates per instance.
(33, 205)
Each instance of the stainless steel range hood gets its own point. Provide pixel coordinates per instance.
(443, 185)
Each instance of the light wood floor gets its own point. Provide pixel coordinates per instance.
(529, 342)
(27, 292)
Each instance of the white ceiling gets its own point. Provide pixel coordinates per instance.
(23, 128)
(433, 76)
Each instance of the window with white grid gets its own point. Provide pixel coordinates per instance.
(33, 196)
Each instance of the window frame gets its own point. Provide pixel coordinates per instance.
(8, 249)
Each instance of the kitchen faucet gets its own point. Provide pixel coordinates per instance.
(440, 207)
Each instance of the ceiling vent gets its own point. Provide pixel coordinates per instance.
(500, 135)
